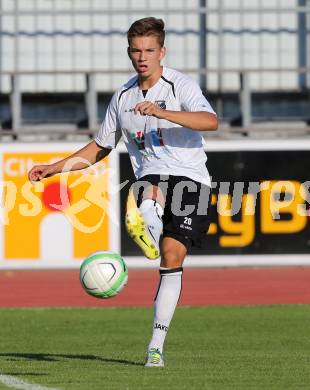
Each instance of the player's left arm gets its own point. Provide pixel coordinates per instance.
(195, 111)
(199, 120)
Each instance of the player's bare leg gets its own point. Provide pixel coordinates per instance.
(173, 254)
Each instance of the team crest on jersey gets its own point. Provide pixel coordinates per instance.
(161, 104)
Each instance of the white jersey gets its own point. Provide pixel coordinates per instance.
(157, 146)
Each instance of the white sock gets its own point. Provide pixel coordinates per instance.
(152, 213)
(166, 300)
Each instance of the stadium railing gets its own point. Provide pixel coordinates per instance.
(91, 99)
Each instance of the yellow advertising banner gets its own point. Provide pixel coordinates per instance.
(64, 216)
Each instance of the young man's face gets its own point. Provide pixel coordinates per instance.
(145, 53)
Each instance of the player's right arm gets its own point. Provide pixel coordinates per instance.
(83, 158)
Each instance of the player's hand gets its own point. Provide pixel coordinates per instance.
(150, 109)
(39, 172)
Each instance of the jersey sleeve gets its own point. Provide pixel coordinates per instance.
(192, 99)
(110, 130)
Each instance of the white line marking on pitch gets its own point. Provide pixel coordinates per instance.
(15, 383)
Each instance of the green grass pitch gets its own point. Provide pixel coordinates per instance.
(249, 347)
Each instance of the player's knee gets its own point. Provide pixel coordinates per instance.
(171, 259)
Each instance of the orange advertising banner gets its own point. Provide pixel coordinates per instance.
(62, 217)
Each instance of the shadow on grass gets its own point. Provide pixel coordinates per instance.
(49, 357)
(23, 373)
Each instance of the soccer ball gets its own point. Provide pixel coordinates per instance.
(103, 274)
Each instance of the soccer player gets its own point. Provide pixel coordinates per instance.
(160, 113)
